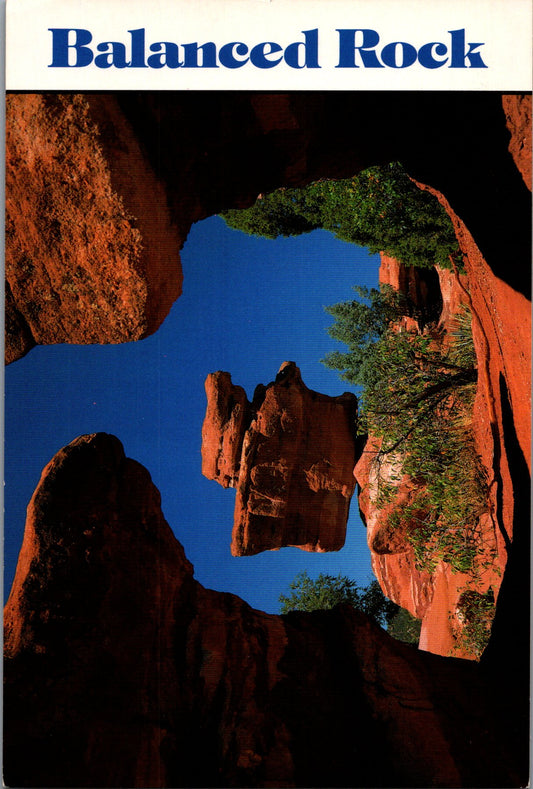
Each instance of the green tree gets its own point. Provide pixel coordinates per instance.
(405, 377)
(405, 627)
(417, 396)
(285, 212)
(380, 208)
(476, 611)
(327, 591)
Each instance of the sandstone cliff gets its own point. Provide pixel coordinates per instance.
(434, 597)
(121, 670)
(290, 454)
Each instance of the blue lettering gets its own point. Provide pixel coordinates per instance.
(310, 51)
(209, 55)
(460, 54)
(258, 55)
(425, 55)
(115, 55)
(389, 55)
(61, 46)
(358, 47)
(137, 48)
(348, 49)
(228, 59)
(168, 55)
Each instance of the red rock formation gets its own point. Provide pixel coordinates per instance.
(518, 116)
(434, 597)
(102, 190)
(392, 557)
(420, 286)
(290, 454)
(88, 259)
(121, 670)
(502, 410)
(227, 418)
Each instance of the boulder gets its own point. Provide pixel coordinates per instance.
(88, 259)
(290, 455)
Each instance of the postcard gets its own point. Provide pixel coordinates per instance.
(267, 393)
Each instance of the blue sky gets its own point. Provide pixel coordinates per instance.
(248, 305)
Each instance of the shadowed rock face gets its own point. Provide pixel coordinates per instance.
(290, 454)
(518, 118)
(121, 670)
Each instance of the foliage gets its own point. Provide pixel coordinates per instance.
(476, 610)
(406, 377)
(405, 627)
(380, 208)
(462, 351)
(285, 212)
(417, 396)
(327, 591)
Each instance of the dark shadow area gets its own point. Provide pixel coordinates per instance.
(506, 660)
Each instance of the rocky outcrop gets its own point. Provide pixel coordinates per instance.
(91, 253)
(227, 418)
(121, 670)
(434, 597)
(502, 427)
(290, 454)
(392, 557)
(518, 117)
(421, 288)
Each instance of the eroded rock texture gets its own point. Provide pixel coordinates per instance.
(91, 253)
(518, 116)
(121, 670)
(290, 454)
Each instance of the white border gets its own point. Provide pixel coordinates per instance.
(504, 27)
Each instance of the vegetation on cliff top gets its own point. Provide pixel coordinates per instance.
(380, 208)
(327, 591)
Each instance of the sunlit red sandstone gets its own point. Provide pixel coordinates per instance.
(290, 455)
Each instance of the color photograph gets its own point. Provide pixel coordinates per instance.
(267, 428)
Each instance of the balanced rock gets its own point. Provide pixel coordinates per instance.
(290, 454)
